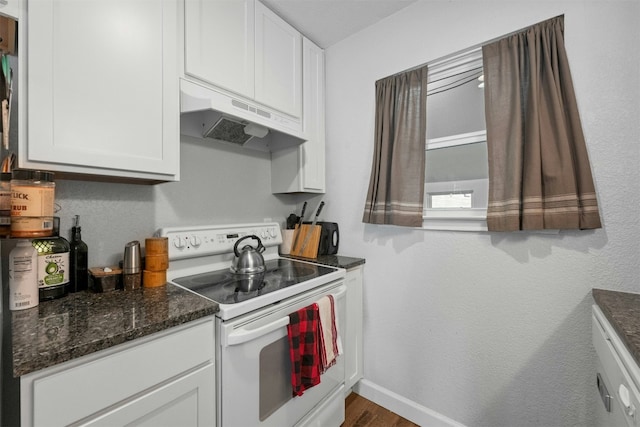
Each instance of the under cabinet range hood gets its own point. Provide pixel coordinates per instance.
(206, 113)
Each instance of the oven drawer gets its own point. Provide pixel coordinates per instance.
(330, 413)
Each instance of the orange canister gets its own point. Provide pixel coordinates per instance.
(154, 279)
(32, 201)
(156, 245)
(158, 262)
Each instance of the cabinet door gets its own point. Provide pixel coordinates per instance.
(103, 92)
(313, 151)
(219, 43)
(89, 387)
(188, 402)
(353, 334)
(302, 168)
(278, 63)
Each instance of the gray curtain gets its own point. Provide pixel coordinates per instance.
(539, 173)
(396, 186)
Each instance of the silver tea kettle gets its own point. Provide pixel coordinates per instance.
(250, 260)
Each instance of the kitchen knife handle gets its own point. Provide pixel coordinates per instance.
(319, 209)
(304, 208)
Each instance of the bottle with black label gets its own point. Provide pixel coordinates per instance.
(78, 257)
(53, 264)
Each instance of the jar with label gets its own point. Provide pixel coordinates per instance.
(53, 266)
(32, 201)
(5, 204)
(23, 276)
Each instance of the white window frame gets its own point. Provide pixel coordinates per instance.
(454, 219)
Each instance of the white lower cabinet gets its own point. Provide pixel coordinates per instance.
(353, 329)
(174, 404)
(618, 376)
(166, 379)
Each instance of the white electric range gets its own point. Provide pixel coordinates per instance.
(252, 351)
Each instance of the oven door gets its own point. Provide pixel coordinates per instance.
(255, 369)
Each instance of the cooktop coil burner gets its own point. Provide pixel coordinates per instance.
(226, 287)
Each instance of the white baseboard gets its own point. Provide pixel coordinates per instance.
(402, 406)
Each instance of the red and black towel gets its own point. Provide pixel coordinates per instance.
(314, 343)
(304, 348)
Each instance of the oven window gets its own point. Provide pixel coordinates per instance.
(275, 377)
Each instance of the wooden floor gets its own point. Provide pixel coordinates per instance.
(361, 412)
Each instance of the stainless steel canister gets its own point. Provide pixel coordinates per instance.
(132, 266)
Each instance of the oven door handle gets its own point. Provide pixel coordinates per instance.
(243, 335)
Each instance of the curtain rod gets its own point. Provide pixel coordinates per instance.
(469, 50)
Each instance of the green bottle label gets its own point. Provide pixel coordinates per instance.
(53, 269)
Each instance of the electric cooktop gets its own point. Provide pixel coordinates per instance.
(225, 287)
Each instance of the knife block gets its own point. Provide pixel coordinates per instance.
(311, 250)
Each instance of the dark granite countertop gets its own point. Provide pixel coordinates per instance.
(332, 260)
(82, 323)
(622, 309)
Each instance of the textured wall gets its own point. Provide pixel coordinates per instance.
(490, 329)
(219, 184)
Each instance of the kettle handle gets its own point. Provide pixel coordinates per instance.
(260, 247)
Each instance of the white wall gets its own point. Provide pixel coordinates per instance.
(490, 329)
(219, 184)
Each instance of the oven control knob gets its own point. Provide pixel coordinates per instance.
(195, 241)
(179, 242)
(264, 234)
(272, 232)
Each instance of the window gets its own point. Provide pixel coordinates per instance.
(540, 180)
(456, 171)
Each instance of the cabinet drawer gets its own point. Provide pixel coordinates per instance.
(187, 401)
(93, 384)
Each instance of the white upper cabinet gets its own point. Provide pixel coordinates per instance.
(243, 48)
(302, 168)
(10, 8)
(103, 88)
(278, 63)
(219, 43)
(313, 151)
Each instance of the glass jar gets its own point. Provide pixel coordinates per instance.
(53, 265)
(32, 201)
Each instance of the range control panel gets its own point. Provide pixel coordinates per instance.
(191, 242)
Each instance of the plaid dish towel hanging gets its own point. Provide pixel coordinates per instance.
(303, 348)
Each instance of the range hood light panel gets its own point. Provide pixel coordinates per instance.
(256, 130)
